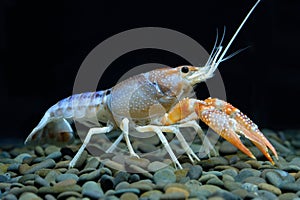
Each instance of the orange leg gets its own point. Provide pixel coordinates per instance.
(224, 119)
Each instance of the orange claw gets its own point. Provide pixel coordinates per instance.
(226, 120)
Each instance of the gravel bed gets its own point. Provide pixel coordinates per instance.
(42, 172)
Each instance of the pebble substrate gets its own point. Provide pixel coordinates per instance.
(42, 173)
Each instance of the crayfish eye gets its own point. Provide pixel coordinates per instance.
(185, 69)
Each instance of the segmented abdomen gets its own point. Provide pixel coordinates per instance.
(84, 105)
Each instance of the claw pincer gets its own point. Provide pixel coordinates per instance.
(229, 121)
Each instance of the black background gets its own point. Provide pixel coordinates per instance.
(43, 44)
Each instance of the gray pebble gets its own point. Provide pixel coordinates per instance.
(10, 197)
(121, 176)
(146, 147)
(173, 196)
(55, 155)
(59, 188)
(254, 180)
(230, 172)
(287, 196)
(49, 163)
(279, 147)
(208, 190)
(217, 173)
(195, 172)
(40, 182)
(232, 185)
(245, 173)
(206, 177)
(122, 191)
(164, 176)
(241, 165)
(156, 165)
(194, 187)
(142, 186)
(63, 177)
(29, 196)
(27, 177)
(92, 163)
(295, 161)
(227, 148)
(67, 194)
(94, 175)
(4, 154)
(215, 181)
(105, 170)
(14, 167)
(107, 182)
(225, 195)
(227, 177)
(133, 178)
(266, 195)
(290, 187)
(50, 149)
(122, 185)
(5, 177)
(39, 151)
(7, 161)
(5, 186)
(86, 171)
(290, 168)
(34, 160)
(21, 157)
(51, 176)
(72, 171)
(49, 197)
(92, 190)
(250, 187)
(17, 191)
(212, 162)
(273, 178)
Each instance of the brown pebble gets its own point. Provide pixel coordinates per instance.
(65, 183)
(43, 172)
(173, 196)
(137, 169)
(62, 164)
(65, 195)
(141, 162)
(254, 164)
(287, 196)
(129, 196)
(269, 187)
(152, 193)
(297, 175)
(39, 151)
(181, 173)
(178, 190)
(113, 165)
(23, 168)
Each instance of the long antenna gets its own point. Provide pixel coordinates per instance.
(235, 34)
